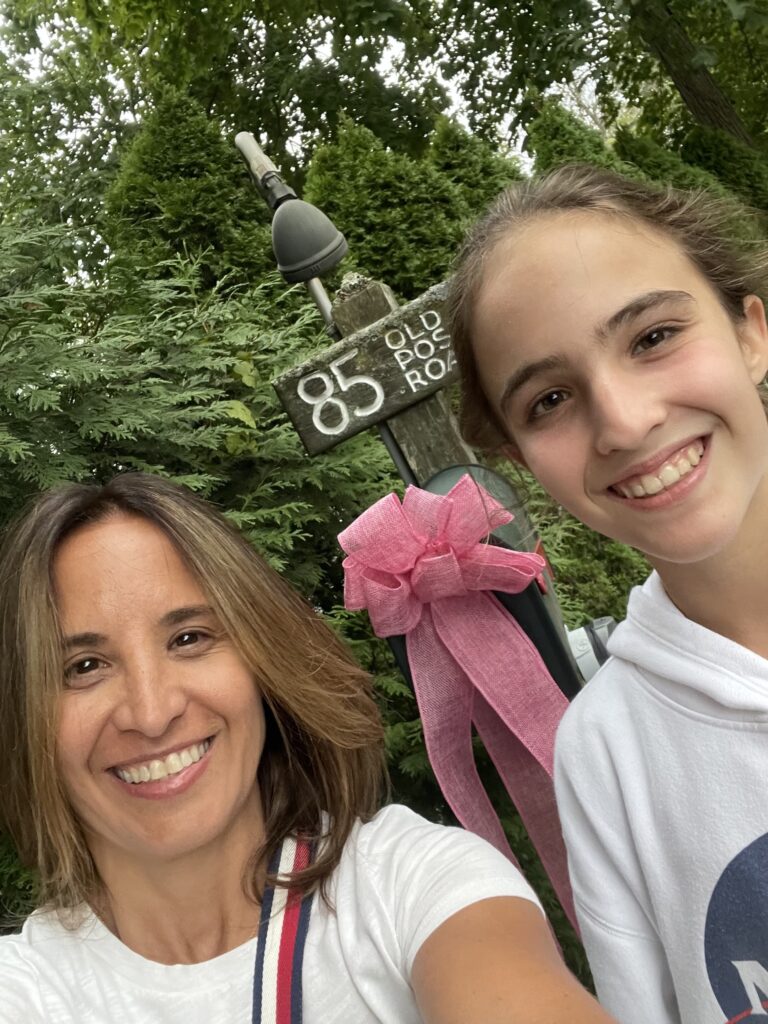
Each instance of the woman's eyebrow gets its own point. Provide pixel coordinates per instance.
(636, 307)
(192, 611)
(83, 640)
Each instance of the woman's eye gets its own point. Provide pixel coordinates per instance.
(187, 639)
(654, 338)
(82, 668)
(547, 403)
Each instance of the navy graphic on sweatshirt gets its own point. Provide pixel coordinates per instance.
(736, 937)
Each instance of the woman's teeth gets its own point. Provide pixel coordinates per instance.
(151, 771)
(675, 469)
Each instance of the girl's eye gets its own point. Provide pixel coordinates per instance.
(653, 338)
(547, 403)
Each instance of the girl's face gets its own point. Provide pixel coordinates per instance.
(624, 386)
(161, 726)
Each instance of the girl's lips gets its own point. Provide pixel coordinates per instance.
(677, 492)
(171, 785)
(651, 467)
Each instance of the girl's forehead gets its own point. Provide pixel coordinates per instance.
(575, 264)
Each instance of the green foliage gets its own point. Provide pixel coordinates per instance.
(739, 168)
(181, 192)
(663, 165)
(556, 137)
(675, 61)
(666, 167)
(17, 887)
(165, 376)
(402, 217)
(472, 164)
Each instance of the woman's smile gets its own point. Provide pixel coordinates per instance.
(157, 777)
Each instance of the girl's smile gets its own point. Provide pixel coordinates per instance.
(623, 384)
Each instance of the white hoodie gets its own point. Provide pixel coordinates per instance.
(662, 785)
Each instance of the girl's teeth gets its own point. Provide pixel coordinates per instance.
(650, 484)
(669, 475)
(154, 770)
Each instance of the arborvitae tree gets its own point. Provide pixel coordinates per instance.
(667, 168)
(558, 137)
(471, 163)
(663, 165)
(403, 218)
(163, 376)
(739, 167)
(182, 191)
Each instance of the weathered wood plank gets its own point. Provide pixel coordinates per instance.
(371, 375)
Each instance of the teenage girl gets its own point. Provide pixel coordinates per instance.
(613, 341)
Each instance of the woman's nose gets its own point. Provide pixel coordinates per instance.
(623, 411)
(153, 697)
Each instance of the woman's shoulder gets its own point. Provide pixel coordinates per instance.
(400, 848)
(29, 960)
(412, 875)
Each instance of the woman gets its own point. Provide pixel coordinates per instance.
(613, 341)
(175, 723)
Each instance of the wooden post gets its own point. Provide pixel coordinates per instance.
(389, 369)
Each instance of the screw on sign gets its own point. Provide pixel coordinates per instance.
(372, 375)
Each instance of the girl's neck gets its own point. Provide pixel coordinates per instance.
(183, 910)
(729, 592)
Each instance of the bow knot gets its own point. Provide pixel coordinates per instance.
(432, 547)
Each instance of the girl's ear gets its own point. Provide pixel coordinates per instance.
(753, 338)
(512, 452)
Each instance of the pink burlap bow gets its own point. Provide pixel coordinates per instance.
(422, 569)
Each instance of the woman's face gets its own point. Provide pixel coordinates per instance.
(624, 385)
(161, 726)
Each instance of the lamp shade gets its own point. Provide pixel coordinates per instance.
(306, 243)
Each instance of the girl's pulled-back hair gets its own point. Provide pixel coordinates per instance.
(322, 766)
(696, 221)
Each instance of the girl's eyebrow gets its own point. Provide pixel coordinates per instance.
(636, 307)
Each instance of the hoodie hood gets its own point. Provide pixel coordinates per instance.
(694, 665)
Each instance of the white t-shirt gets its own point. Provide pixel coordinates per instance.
(400, 877)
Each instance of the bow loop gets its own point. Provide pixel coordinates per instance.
(426, 549)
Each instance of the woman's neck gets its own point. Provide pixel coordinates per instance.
(182, 910)
(729, 592)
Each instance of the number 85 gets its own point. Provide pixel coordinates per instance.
(326, 397)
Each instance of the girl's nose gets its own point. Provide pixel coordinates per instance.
(623, 411)
(153, 697)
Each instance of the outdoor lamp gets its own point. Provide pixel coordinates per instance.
(306, 243)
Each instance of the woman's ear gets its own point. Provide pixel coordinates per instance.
(753, 338)
(512, 452)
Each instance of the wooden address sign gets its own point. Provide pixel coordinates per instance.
(371, 375)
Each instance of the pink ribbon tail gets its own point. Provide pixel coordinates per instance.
(509, 695)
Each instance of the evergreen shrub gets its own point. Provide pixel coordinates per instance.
(739, 167)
